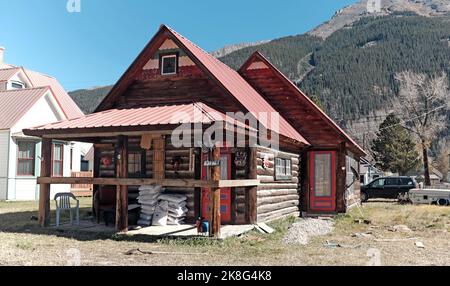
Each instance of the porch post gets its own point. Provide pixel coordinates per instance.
(251, 194)
(44, 191)
(341, 179)
(159, 158)
(214, 201)
(122, 191)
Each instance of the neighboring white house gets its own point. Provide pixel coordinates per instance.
(29, 99)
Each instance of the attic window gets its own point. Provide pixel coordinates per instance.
(169, 64)
(17, 85)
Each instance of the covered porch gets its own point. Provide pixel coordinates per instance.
(132, 148)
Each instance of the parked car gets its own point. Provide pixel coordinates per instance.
(387, 188)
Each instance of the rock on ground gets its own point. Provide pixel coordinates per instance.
(300, 232)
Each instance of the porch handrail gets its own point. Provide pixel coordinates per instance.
(137, 182)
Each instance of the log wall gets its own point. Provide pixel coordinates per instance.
(276, 198)
(172, 155)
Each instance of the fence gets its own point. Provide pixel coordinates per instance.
(81, 190)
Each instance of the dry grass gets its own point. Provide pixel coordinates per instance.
(24, 243)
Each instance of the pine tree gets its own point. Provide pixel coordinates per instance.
(394, 149)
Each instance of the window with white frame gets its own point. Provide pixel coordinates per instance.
(25, 158)
(169, 64)
(17, 85)
(283, 169)
(58, 160)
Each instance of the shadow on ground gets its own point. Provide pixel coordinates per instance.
(25, 222)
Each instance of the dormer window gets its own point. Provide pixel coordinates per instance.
(17, 85)
(169, 64)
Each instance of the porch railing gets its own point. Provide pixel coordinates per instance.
(81, 189)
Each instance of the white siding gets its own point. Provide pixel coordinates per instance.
(4, 146)
(41, 113)
(25, 188)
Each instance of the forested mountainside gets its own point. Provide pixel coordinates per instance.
(89, 99)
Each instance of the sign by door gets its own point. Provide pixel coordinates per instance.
(208, 163)
(322, 181)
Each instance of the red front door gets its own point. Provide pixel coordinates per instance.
(225, 193)
(322, 181)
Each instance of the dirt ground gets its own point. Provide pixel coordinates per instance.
(380, 242)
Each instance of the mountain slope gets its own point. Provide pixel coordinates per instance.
(355, 12)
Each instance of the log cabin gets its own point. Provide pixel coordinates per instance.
(310, 166)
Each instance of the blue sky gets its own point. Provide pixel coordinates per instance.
(94, 47)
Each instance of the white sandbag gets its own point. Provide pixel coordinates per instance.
(148, 202)
(145, 197)
(144, 222)
(178, 212)
(148, 189)
(160, 215)
(174, 198)
(177, 205)
(174, 221)
(148, 210)
(145, 216)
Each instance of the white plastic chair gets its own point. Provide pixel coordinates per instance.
(63, 204)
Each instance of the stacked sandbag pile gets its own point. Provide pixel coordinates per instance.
(148, 198)
(173, 207)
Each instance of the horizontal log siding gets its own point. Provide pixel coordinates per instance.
(170, 173)
(182, 173)
(277, 198)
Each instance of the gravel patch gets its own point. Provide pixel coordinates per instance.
(300, 232)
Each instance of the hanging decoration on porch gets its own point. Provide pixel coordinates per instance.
(146, 141)
(106, 160)
(240, 159)
(176, 163)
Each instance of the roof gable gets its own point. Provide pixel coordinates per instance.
(15, 103)
(274, 85)
(68, 106)
(219, 73)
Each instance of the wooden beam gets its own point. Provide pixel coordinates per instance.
(159, 158)
(214, 200)
(122, 190)
(188, 183)
(44, 191)
(251, 194)
(98, 133)
(341, 178)
(236, 183)
(198, 190)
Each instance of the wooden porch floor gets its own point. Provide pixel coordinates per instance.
(172, 231)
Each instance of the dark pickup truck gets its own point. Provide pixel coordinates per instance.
(387, 188)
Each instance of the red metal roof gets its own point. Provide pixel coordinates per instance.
(69, 107)
(159, 115)
(310, 102)
(237, 86)
(6, 74)
(15, 103)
